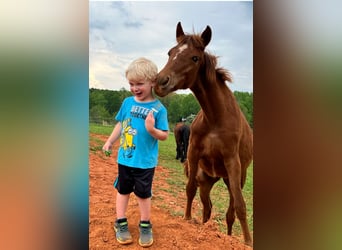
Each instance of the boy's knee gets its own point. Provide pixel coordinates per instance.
(143, 195)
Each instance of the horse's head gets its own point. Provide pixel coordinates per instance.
(185, 60)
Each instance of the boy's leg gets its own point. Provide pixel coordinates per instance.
(145, 226)
(145, 208)
(143, 191)
(121, 205)
(123, 236)
(124, 185)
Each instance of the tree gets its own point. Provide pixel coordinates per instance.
(104, 104)
(174, 109)
(97, 97)
(98, 114)
(113, 101)
(245, 101)
(190, 105)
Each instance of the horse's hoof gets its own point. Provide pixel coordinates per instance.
(249, 243)
(187, 217)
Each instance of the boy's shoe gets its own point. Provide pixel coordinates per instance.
(123, 236)
(146, 236)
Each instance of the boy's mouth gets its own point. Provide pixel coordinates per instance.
(138, 93)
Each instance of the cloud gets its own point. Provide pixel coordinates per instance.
(120, 32)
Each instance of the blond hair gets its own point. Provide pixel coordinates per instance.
(142, 68)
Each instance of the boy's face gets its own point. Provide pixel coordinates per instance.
(141, 89)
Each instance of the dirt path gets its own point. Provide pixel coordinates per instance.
(170, 231)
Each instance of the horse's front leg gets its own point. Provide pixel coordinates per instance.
(230, 215)
(191, 166)
(191, 189)
(206, 183)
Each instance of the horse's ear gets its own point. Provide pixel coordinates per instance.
(179, 32)
(206, 36)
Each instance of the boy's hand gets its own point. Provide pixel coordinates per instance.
(107, 148)
(149, 122)
(156, 133)
(107, 153)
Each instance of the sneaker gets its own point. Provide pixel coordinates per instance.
(123, 236)
(146, 236)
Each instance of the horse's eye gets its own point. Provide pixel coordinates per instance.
(195, 58)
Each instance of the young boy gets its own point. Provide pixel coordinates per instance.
(141, 122)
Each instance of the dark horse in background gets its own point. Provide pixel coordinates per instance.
(221, 141)
(182, 134)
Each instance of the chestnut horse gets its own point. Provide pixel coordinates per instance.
(221, 141)
(181, 133)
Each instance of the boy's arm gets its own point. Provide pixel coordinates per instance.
(159, 134)
(112, 138)
(156, 133)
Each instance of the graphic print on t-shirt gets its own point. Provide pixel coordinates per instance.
(126, 140)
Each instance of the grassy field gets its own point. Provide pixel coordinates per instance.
(219, 193)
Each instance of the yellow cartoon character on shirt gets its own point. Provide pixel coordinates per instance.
(126, 140)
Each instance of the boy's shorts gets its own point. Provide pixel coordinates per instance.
(135, 180)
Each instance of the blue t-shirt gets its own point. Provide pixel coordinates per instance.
(137, 147)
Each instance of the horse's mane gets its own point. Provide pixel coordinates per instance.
(212, 73)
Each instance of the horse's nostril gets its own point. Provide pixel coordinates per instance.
(164, 81)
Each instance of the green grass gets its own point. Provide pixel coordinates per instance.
(177, 180)
(167, 158)
(95, 143)
(100, 129)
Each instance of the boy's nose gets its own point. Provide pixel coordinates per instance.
(135, 88)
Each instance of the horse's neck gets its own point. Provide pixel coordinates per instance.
(215, 101)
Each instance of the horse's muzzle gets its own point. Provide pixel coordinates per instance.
(162, 86)
(163, 81)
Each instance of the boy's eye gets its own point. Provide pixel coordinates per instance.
(134, 83)
(139, 84)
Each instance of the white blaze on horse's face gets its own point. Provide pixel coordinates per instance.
(180, 50)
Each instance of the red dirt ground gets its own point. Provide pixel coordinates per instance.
(170, 231)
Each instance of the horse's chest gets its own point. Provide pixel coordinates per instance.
(212, 154)
(211, 144)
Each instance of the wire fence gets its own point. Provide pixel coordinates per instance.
(102, 121)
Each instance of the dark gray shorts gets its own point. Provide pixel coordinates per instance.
(135, 180)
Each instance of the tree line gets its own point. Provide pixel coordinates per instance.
(104, 105)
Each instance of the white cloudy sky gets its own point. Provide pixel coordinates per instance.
(121, 31)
